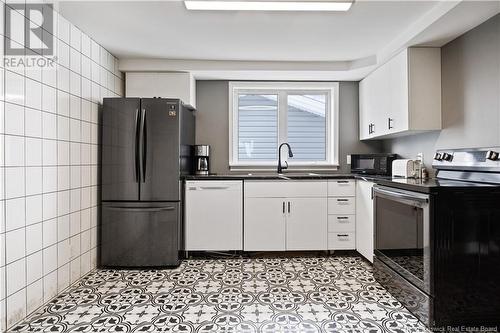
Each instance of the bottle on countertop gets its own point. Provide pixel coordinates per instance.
(424, 173)
(419, 164)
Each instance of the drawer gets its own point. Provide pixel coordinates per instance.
(341, 241)
(342, 223)
(285, 189)
(341, 188)
(342, 206)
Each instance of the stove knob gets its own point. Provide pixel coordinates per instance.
(447, 157)
(438, 157)
(492, 155)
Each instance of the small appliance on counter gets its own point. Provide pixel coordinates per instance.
(202, 160)
(372, 164)
(403, 168)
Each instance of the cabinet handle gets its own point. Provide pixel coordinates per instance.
(283, 207)
(342, 182)
(342, 218)
(288, 207)
(342, 235)
(389, 123)
(371, 128)
(342, 200)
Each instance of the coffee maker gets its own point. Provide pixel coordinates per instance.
(201, 159)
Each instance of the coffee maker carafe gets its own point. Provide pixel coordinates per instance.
(202, 159)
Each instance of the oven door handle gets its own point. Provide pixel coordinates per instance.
(402, 195)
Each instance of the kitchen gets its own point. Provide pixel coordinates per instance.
(202, 173)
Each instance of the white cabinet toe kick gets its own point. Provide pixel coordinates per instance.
(274, 215)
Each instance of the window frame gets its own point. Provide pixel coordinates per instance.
(282, 90)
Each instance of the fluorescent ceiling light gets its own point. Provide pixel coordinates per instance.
(268, 5)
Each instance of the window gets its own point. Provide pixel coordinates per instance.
(265, 114)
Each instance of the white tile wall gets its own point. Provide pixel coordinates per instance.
(49, 125)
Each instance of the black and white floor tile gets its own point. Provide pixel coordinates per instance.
(268, 295)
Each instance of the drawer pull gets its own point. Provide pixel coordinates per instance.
(342, 217)
(342, 200)
(342, 235)
(342, 182)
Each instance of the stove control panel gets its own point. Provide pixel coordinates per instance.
(447, 157)
(486, 159)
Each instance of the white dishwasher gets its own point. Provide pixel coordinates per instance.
(214, 215)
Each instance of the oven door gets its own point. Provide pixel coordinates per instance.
(402, 233)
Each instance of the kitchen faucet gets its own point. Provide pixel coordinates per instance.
(290, 154)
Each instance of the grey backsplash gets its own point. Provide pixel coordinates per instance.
(212, 124)
(470, 96)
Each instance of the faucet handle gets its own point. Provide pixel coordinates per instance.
(285, 166)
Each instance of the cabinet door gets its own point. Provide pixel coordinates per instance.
(382, 101)
(374, 102)
(364, 119)
(397, 117)
(264, 226)
(306, 224)
(364, 219)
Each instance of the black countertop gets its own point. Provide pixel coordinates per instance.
(273, 176)
(420, 185)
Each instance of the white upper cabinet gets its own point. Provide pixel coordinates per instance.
(403, 96)
(165, 85)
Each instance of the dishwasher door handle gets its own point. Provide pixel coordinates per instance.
(214, 187)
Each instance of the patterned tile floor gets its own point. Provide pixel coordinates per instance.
(282, 294)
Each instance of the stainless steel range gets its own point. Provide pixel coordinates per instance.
(437, 241)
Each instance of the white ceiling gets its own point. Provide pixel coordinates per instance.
(168, 30)
(319, 42)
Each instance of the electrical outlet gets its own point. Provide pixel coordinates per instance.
(348, 159)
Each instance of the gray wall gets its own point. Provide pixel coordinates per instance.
(470, 96)
(212, 125)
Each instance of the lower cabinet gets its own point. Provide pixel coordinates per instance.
(285, 222)
(306, 224)
(364, 219)
(280, 215)
(264, 228)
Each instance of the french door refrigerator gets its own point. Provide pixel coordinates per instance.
(146, 149)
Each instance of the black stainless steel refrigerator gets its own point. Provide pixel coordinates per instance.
(146, 149)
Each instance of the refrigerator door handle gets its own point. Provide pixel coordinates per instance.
(142, 167)
(144, 145)
(137, 149)
(135, 209)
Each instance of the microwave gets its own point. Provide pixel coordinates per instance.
(372, 164)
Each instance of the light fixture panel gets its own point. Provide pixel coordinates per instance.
(223, 5)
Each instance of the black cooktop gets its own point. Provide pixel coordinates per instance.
(433, 184)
